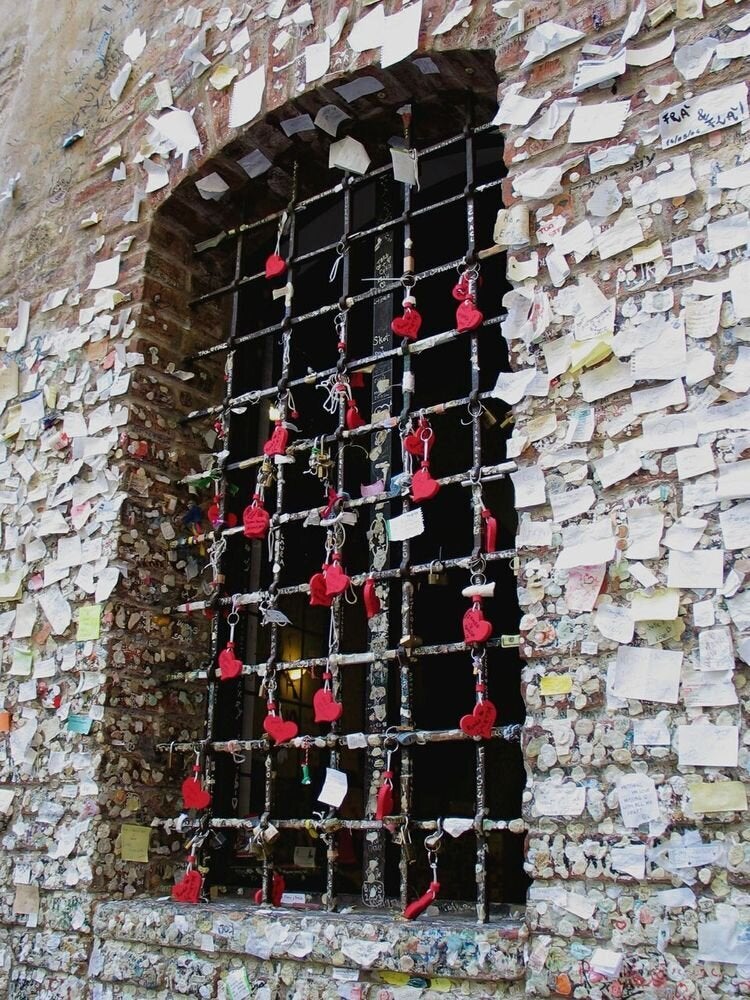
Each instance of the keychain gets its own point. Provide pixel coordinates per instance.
(468, 316)
(230, 665)
(432, 846)
(279, 439)
(385, 799)
(194, 795)
(324, 706)
(188, 889)
(407, 325)
(476, 627)
(482, 718)
(255, 518)
(275, 725)
(306, 762)
(275, 263)
(423, 486)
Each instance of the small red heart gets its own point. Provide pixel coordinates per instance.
(326, 709)
(194, 795)
(354, 418)
(476, 627)
(415, 445)
(279, 729)
(231, 520)
(407, 326)
(468, 317)
(229, 665)
(481, 720)
(423, 486)
(319, 596)
(276, 444)
(336, 580)
(188, 889)
(275, 266)
(460, 290)
(256, 520)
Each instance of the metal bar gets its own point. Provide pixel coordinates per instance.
(461, 562)
(516, 826)
(416, 737)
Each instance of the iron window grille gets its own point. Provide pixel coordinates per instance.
(337, 297)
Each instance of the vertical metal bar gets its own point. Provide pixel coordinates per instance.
(208, 763)
(407, 617)
(476, 490)
(381, 396)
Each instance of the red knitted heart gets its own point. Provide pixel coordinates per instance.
(188, 889)
(326, 709)
(276, 444)
(481, 720)
(194, 795)
(468, 317)
(354, 418)
(279, 729)
(476, 627)
(407, 326)
(275, 266)
(423, 486)
(415, 445)
(256, 520)
(319, 596)
(336, 580)
(229, 665)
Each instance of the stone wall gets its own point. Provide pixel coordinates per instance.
(628, 246)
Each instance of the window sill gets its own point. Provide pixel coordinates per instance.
(449, 946)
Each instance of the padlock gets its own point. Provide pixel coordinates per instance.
(436, 575)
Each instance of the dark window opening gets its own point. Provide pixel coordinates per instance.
(406, 676)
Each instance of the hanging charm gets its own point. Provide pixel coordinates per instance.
(325, 707)
(489, 530)
(194, 795)
(337, 579)
(476, 627)
(188, 889)
(276, 444)
(482, 718)
(407, 325)
(230, 666)
(385, 800)
(275, 264)
(370, 598)
(423, 486)
(432, 846)
(277, 727)
(354, 418)
(255, 518)
(468, 316)
(306, 780)
(319, 596)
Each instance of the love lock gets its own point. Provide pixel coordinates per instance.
(407, 739)
(436, 575)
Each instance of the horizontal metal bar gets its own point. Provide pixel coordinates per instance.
(510, 734)
(334, 823)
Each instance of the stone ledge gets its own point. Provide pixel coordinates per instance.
(445, 947)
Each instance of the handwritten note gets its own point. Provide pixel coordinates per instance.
(703, 113)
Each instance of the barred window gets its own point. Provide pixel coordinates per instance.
(364, 707)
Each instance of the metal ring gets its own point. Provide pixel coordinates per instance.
(233, 618)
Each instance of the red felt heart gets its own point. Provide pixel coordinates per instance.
(460, 290)
(326, 709)
(354, 418)
(468, 317)
(336, 580)
(481, 720)
(194, 795)
(279, 729)
(415, 445)
(476, 627)
(319, 596)
(276, 444)
(384, 805)
(229, 665)
(407, 326)
(370, 598)
(256, 520)
(188, 889)
(423, 486)
(275, 266)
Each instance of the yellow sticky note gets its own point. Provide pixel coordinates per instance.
(663, 605)
(394, 978)
(89, 622)
(717, 796)
(134, 842)
(556, 684)
(585, 353)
